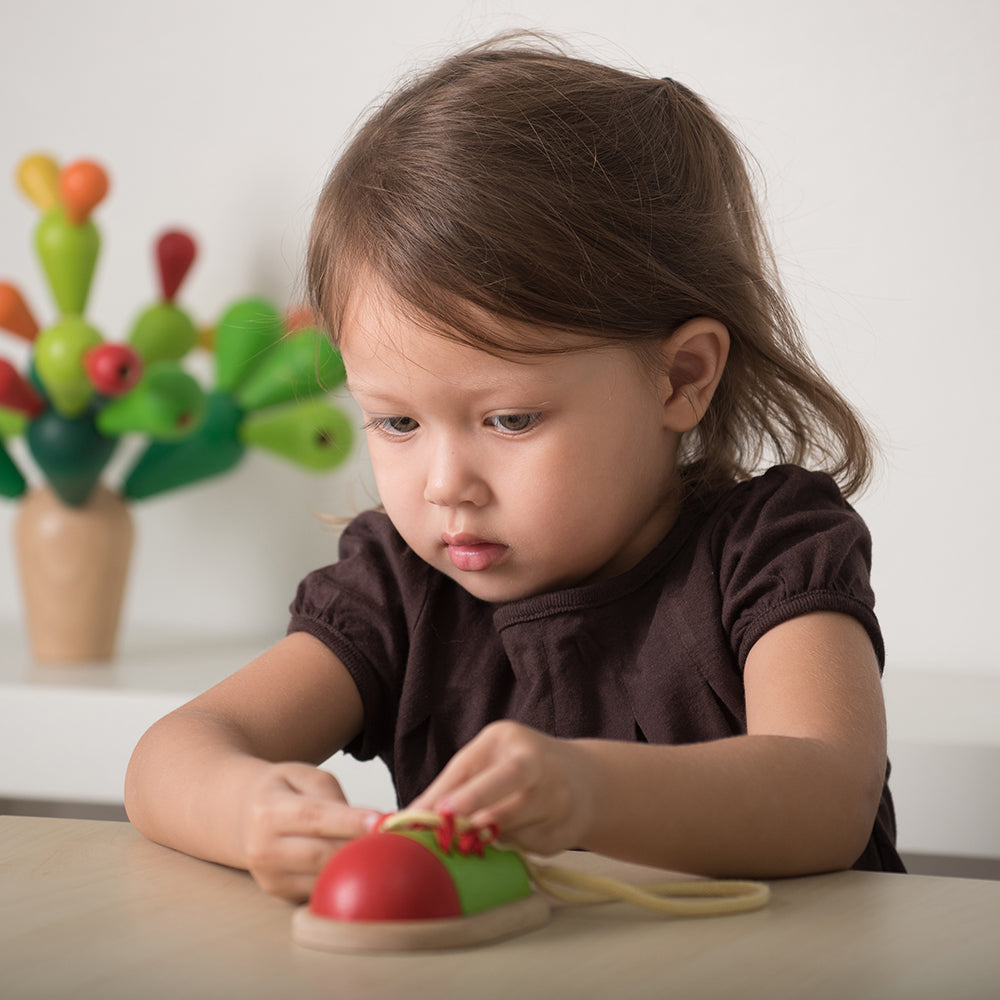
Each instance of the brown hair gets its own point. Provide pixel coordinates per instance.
(558, 193)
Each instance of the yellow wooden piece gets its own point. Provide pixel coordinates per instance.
(38, 178)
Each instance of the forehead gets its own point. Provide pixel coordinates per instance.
(386, 348)
(378, 331)
(390, 352)
(369, 298)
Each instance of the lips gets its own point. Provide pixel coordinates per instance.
(472, 554)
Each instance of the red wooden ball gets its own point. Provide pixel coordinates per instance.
(384, 876)
(113, 369)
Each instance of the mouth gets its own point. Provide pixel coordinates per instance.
(472, 554)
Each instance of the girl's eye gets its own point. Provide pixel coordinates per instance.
(514, 423)
(392, 425)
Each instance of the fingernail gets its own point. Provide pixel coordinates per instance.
(372, 821)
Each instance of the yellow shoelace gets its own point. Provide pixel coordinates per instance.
(672, 897)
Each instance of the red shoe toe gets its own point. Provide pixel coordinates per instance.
(384, 876)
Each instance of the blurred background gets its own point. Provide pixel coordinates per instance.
(874, 125)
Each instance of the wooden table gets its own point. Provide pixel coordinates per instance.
(91, 909)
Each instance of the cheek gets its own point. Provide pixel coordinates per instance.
(538, 474)
(393, 474)
(601, 473)
(565, 484)
(591, 460)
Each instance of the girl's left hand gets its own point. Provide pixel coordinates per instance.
(535, 788)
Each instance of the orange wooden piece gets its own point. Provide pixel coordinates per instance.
(15, 316)
(82, 187)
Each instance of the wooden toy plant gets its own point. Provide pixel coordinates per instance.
(426, 880)
(80, 395)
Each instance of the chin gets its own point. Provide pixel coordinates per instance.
(500, 591)
(486, 587)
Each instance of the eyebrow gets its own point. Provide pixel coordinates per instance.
(361, 388)
(495, 384)
(353, 386)
(374, 393)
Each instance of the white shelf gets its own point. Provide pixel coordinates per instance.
(66, 734)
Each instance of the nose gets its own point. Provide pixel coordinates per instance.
(453, 477)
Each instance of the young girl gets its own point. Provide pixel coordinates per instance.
(578, 613)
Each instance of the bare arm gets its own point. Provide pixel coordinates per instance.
(797, 794)
(231, 776)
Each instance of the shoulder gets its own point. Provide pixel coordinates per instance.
(787, 543)
(782, 491)
(785, 509)
(785, 506)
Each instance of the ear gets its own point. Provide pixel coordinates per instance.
(694, 357)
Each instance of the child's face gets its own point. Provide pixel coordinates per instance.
(511, 477)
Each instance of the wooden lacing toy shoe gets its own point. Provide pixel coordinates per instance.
(425, 880)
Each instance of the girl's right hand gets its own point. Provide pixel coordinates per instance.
(296, 816)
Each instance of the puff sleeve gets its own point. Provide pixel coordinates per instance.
(789, 544)
(358, 608)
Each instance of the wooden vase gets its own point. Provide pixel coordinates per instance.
(74, 565)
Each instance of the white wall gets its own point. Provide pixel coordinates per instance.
(874, 122)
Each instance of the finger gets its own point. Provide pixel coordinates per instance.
(485, 750)
(319, 806)
(313, 781)
(305, 855)
(485, 792)
(290, 869)
(507, 795)
(298, 888)
(294, 886)
(536, 839)
(457, 772)
(304, 816)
